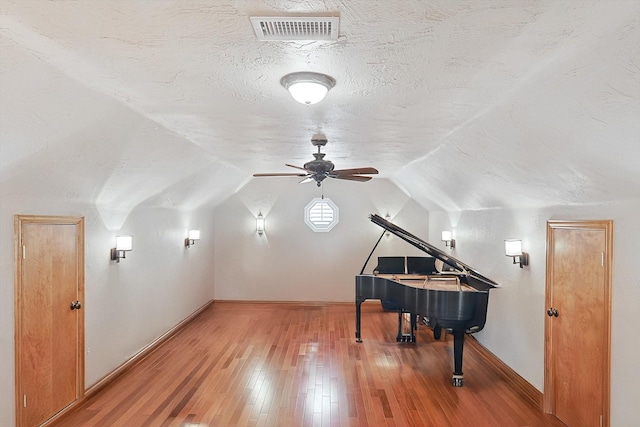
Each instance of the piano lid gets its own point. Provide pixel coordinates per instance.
(431, 250)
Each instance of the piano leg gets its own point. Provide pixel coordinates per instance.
(437, 333)
(458, 346)
(359, 302)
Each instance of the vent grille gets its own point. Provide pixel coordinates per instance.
(288, 28)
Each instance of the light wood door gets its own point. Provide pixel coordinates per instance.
(49, 320)
(577, 329)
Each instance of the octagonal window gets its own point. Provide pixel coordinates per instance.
(321, 215)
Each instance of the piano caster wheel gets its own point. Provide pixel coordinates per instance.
(457, 380)
(437, 333)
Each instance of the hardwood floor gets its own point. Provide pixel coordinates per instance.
(259, 364)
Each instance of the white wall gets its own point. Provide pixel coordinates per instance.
(515, 324)
(128, 304)
(290, 262)
(160, 283)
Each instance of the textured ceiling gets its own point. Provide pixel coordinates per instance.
(463, 104)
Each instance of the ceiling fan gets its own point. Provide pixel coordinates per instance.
(319, 168)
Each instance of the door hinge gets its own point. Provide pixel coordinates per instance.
(600, 420)
(602, 260)
(24, 252)
(24, 400)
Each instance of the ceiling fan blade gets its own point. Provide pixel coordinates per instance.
(352, 177)
(355, 171)
(297, 167)
(280, 174)
(307, 179)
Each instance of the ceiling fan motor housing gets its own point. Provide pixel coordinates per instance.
(319, 165)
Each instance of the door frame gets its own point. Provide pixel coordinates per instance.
(19, 220)
(549, 377)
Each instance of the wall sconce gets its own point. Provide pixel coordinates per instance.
(513, 248)
(448, 240)
(388, 218)
(123, 244)
(193, 236)
(260, 224)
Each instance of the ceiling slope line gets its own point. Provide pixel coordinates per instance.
(85, 73)
(561, 54)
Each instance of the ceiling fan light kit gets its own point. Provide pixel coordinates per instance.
(308, 87)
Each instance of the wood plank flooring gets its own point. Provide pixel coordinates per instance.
(260, 364)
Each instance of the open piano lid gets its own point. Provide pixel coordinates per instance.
(460, 266)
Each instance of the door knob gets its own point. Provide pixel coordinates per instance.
(75, 305)
(552, 312)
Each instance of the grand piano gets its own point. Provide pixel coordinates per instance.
(455, 301)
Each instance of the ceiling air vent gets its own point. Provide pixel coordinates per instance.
(299, 28)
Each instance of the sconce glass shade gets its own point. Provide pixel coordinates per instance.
(447, 238)
(308, 87)
(193, 235)
(260, 224)
(513, 247)
(124, 243)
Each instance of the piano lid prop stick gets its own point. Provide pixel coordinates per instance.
(374, 248)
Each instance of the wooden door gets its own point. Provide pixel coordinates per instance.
(577, 327)
(49, 321)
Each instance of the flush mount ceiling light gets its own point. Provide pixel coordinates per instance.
(308, 87)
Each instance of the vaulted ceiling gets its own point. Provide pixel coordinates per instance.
(464, 104)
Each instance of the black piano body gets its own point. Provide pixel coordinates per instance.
(456, 301)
